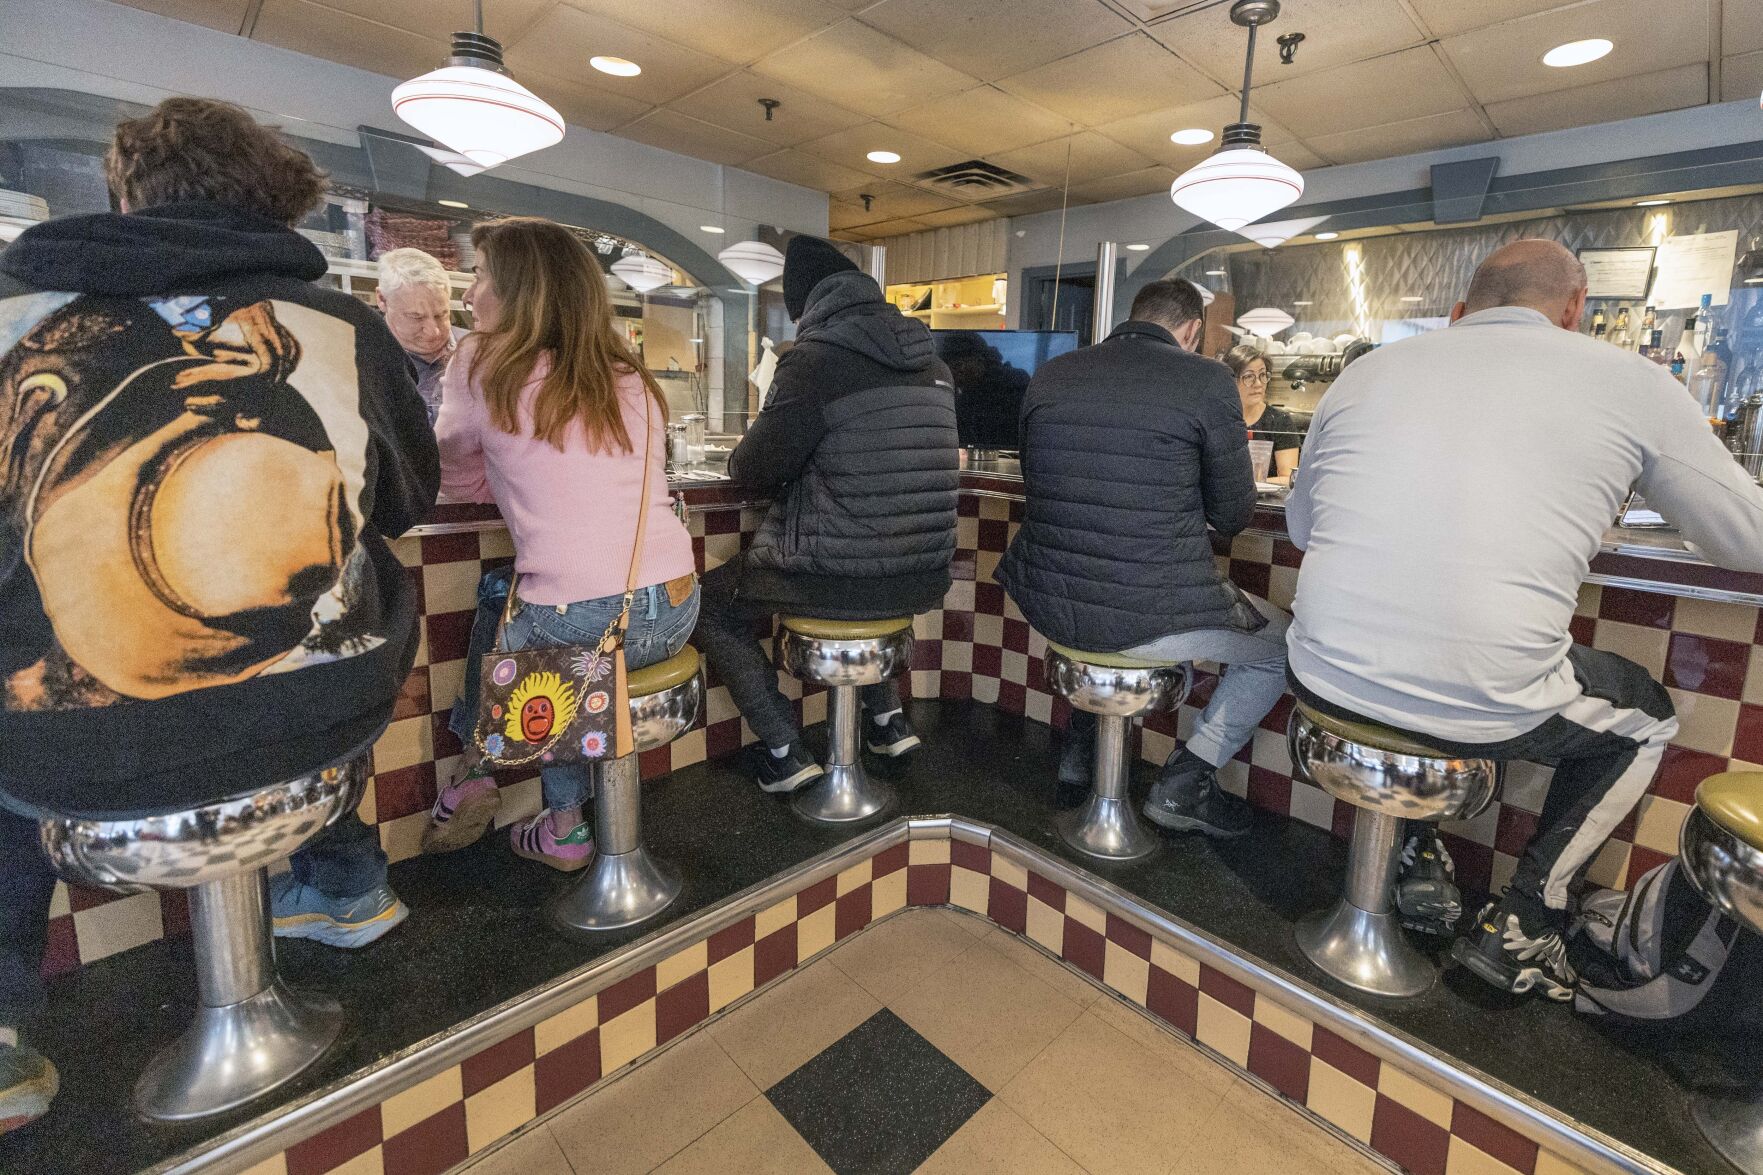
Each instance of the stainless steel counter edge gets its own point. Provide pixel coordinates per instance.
(258, 1140)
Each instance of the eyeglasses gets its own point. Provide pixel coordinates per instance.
(1250, 377)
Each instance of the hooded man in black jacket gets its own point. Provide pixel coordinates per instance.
(858, 445)
(1132, 448)
(201, 454)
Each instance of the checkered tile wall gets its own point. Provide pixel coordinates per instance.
(979, 646)
(1360, 1091)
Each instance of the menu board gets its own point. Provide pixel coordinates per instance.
(1695, 265)
(1617, 273)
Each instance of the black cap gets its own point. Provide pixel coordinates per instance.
(807, 261)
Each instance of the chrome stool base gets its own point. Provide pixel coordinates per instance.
(1365, 951)
(845, 794)
(232, 1055)
(1106, 826)
(1734, 1127)
(620, 890)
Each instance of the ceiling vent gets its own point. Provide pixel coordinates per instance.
(975, 180)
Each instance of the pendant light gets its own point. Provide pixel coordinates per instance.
(451, 160)
(753, 262)
(472, 105)
(1240, 182)
(1273, 233)
(1265, 321)
(642, 272)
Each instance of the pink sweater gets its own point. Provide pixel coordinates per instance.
(573, 514)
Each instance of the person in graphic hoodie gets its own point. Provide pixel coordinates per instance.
(857, 443)
(201, 456)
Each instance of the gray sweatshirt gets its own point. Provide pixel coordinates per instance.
(1454, 489)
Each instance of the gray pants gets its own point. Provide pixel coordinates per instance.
(1254, 678)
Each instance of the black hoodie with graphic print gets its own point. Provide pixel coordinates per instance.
(201, 456)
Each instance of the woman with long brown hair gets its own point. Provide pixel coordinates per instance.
(548, 412)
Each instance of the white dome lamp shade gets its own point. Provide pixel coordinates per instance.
(473, 106)
(1240, 182)
(1273, 233)
(641, 272)
(451, 160)
(754, 262)
(1265, 321)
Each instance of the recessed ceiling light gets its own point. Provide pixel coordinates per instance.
(1192, 137)
(1215, 272)
(1650, 203)
(711, 228)
(884, 157)
(618, 67)
(452, 203)
(1300, 303)
(694, 340)
(1751, 281)
(1577, 52)
(1138, 248)
(1326, 236)
(1412, 298)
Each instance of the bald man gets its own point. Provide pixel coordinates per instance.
(1454, 489)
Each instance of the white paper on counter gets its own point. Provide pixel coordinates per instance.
(1692, 266)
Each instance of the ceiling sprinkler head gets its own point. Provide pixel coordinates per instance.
(770, 105)
(867, 200)
(1288, 47)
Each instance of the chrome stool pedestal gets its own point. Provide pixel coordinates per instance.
(1389, 779)
(1720, 846)
(843, 656)
(1115, 689)
(626, 885)
(252, 1032)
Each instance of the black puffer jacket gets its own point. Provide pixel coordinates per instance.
(1130, 449)
(859, 442)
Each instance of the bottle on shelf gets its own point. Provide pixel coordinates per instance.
(1707, 382)
(1598, 324)
(1620, 332)
(1686, 351)
(1649, 321)
(1656, 346)
(1704, 322)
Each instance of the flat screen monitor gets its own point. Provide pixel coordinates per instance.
(992, 370)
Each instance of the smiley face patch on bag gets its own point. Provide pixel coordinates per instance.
(539, 704)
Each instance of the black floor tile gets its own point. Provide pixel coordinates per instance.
(879, 1100)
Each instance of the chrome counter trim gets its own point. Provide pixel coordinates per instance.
(1693, 591)
(267, 1136)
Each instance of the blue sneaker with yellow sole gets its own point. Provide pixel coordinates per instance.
(301, 911)
(28, 1083)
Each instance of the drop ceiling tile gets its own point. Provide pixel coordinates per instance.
(735, 30)
(733, 102)
(1336, 32)
(1670, 89)
(982, 121)
(561, 42)
(862, 69)
(1296, 155)
(1507, 61)
(894, 228)
(1366, 93)
(1742, 30)
(950, 217)
(505, 20)
(1027, 203)
(1148, 134)
(893, 200)
(1741, 77)
(1092, 157)
(1445, 17)
(226, 15)
(1402, 138)
(970, 35)
(1125, 187)
(673, 131)
(849, 148)
(336, 36)
(1123, 77)
(810, 171)
(581, 105)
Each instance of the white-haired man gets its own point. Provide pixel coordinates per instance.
(413, 295)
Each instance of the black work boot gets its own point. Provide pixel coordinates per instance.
(1427, 896)
(1187, 798)
(1516, 947)
(1077, 761)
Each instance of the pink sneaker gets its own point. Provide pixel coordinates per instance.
(537, 841)
(462, 811)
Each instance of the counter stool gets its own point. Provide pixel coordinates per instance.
(844, 655)
(625, 885)
(1722, 850)
(1389, 778)
(252, 1032)
(1116, 689)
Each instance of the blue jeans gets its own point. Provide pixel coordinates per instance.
(657, 631)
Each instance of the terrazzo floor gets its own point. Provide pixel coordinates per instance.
(931, 1042)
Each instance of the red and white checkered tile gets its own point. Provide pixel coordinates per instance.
(1405, 1116)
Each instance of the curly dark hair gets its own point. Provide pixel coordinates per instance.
(203, 149)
